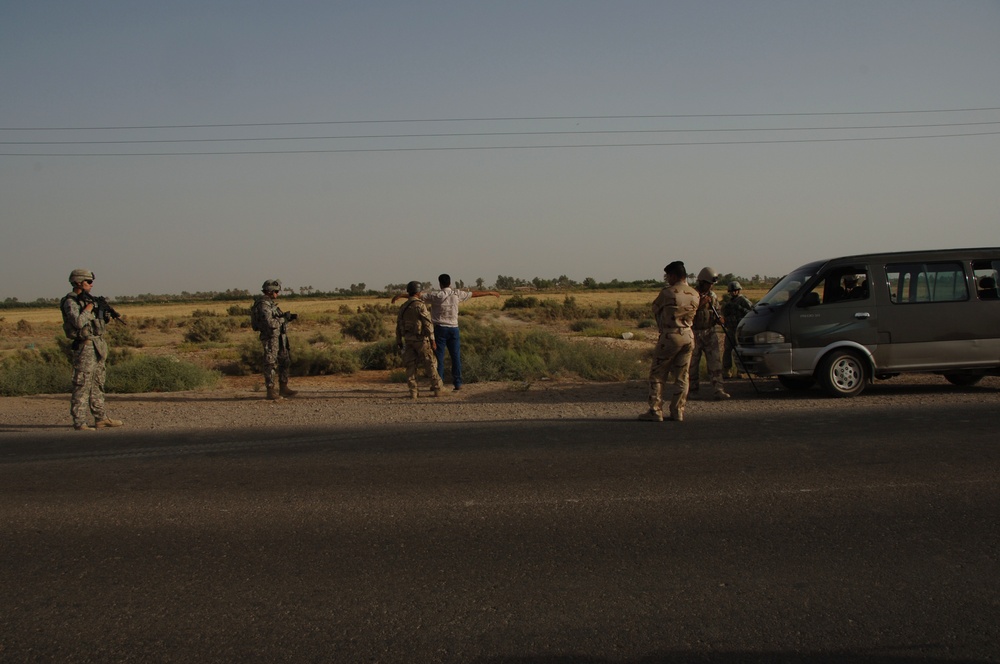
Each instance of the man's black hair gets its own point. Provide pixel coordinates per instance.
(444, 280)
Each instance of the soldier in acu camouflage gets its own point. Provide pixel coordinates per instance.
(706, 338)
(674, 310)
(734, 309)
(90, 352)
(271, 322)
(415, 337)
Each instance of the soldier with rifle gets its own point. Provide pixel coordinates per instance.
(84, 321)
(415, 338)
(269, 321)
(706, 340)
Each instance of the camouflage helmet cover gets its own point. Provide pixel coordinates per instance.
(79, 275)
(271, 286)
(734, 286)
(708, 275)
(413, 288)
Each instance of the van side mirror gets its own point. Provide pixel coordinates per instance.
(809, 300)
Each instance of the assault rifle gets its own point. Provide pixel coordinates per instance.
(732, 342)
(102, 308)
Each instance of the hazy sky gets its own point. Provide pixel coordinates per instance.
(526, 191)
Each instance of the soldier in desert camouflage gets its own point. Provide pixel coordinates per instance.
(415, 338)
(706, 339)
(674, 309)
(86, 327)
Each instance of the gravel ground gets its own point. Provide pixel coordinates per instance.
(365, 401)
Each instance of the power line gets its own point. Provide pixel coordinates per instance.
(508, 119)
(496, 147)
(496, 133)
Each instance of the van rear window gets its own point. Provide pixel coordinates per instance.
(913, 283)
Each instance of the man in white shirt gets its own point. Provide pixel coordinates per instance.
(444, 314)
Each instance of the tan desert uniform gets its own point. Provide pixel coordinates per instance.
(674, 309)
(414, 331)
(706, 341)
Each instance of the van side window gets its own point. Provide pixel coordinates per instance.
(911, 283)
(845, 283)
(987, 275)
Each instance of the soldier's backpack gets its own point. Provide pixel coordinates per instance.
(257, 323)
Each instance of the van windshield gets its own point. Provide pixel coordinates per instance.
(789, 285)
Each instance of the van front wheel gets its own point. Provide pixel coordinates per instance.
(962, 380)
(843, 373)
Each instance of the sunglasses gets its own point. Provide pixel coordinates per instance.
(89, 281)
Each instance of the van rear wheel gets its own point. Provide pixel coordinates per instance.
(843, 373)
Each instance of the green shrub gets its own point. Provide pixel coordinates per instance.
(581, 325)
(519, 302)
(209, 328)
(319, 361)
(145, 373)
(365, 326)
(307, 360)
(238, 310)
(45, 371)
(122, 335)
(380, 355)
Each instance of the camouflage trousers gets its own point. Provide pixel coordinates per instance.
(88, 381)
(417, 354)
(276, 360)
(670, 366)
(706, 342)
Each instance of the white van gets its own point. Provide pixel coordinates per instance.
(846, 321)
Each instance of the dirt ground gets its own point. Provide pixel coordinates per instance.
(371, 399)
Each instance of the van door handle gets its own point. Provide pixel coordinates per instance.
(862, 315)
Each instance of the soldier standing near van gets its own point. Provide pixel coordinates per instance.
(85, 327)
(733, 310)
(706, 339)
(674, 310)
(415, 338)
(267, 318)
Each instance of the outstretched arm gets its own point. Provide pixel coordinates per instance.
(483, 293)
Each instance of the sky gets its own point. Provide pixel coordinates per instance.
(381, 142)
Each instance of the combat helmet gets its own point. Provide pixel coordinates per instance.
(413, 288)
(271, 286)
(708, 275)
(734, 286)
(79, 275)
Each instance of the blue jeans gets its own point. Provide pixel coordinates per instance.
(447, 337)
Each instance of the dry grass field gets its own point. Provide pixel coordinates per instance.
(163, 329)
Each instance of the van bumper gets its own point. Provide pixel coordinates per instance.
(773, 360)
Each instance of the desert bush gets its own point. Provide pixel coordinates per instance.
(238, 310)
(145, 373)
(519, 302)
(364, 326)
(581, 325)
(122, 335)
(380, 355)
(23, 328)
(45, 371)
(306, 360)
(203, 313)
(316, 361)
(209, 328)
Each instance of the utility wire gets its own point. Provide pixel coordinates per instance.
(495, 133)
(496, 147)
(509, 119)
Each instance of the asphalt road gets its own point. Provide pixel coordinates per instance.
(861, 534)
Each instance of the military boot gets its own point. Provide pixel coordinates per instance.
(286, 391)
(274, 395)
(651, 416)
(106, 422)
(83, 427)
(413, 394)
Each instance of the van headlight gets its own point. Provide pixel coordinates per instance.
(768, 338)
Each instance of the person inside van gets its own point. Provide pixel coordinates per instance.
(988, 289)
(852, 290)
